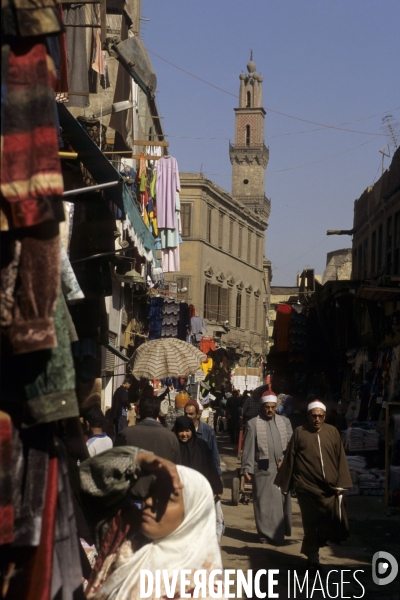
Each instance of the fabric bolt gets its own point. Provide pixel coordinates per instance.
(49, 383)
(31, 179)
(8, 280)
(6, 480)
(207, 344)
(37, 18)
(168, 184)
(39, 579)
(66, 574)
(170, 318)
(171, 262)
(315, 464)
(272, 508)
(184, 321)
(32, 327)
(78, 79)
(207, 365)
(119, 575)
(155, 318)
(197, 325)
(69, 283)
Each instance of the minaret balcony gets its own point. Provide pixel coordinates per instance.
(243, 148)
(259, 204)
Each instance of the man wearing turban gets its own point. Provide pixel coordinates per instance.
(315, 464)
(266, 438)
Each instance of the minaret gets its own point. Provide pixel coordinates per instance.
(249, 155)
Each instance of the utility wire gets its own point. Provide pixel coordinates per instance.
(303, 165)
(301, 256)
(278, 112)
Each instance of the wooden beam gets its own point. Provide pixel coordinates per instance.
(142, 143)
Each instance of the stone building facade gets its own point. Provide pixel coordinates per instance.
(222, 259)
(376, 227)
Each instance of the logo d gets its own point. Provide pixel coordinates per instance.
(380, 566)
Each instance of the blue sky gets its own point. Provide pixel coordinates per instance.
(331, 62)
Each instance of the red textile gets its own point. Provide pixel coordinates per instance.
(116, 534)
(192, 310)
(62, 83)
(41, 569)
(207, 344)
(31, 179)
(282, 326)
(6, 506)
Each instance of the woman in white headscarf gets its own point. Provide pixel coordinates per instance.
(179, 536)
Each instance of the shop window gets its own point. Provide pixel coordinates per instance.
(238, 309)
(186, 219)
(247, 135)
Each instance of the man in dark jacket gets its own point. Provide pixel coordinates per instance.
(149, 434)
(120, 406)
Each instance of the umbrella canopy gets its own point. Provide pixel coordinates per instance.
(168, 357)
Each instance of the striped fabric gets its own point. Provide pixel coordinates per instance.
(168, 357)
(31, 179)
(262, 440)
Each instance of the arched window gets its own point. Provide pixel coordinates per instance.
(248, 99)
(247, 135)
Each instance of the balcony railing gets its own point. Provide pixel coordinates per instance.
(244, 148)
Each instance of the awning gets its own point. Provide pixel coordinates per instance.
(378, 294)
(132, 54)
(103, 172)
(115, 351)
(92, 157)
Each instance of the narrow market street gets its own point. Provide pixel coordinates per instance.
(370, 531)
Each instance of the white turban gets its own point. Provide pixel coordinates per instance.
(268, 397)
(316, 404)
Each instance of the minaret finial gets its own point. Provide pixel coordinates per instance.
(251, 54)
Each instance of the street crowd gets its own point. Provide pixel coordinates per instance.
(151, 496)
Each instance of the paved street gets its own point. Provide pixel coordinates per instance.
(371, 531)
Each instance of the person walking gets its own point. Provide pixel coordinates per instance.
(265, 442)
(233, 414)
(149, 434)
(120, 406)
(315, 463)
(204, 431)
(98, 439)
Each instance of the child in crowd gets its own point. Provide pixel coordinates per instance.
(98, 439)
